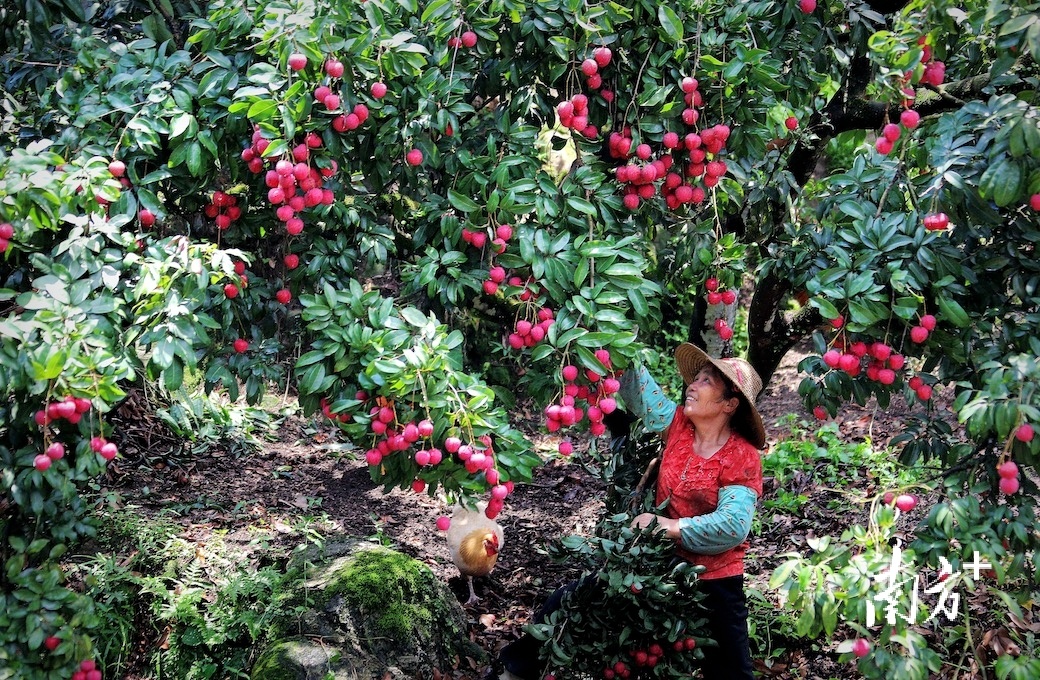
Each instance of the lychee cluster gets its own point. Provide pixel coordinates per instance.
(528, 333)
(877, 361)
(71, 410)
(574, 114)
(715, 296)
(394, 436)
(223, 209)
(1008, 473)
(698, 152)
(467, 39)
(642, 657)
(596, 390)
(88, 670)
(477, 239)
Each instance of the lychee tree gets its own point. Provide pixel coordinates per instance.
(428, 209)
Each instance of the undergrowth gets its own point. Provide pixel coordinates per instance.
(197, 609)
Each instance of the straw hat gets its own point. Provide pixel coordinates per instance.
(691, 359)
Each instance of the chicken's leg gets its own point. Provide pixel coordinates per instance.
(473, 599)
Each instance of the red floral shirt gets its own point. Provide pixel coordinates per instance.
(692, 483)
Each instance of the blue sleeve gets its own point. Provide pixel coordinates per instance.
(644, 399)
(725, 528)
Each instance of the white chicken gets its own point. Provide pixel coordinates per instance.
(474, 542)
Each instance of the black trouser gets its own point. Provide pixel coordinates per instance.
(727, 624)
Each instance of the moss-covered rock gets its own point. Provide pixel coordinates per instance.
(375, 611)
(295, 659)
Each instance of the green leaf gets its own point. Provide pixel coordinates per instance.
(827, 310)
(1002, 181)
(461, 203)
(173, 377)
(670, 22)
(581, 205)
(953, 312)
(262, 109)
(414, 317)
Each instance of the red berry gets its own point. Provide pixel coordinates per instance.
(1034, 203)
(109, 451)
(42, 462)
(1009, 485)
(55, 451)
(905, 502)
(791, 123)
(297, 61)
(589, 67)
(602, 56)
(928, 322)
(570, 373)
(807, 6)
(891, 132)
(283, 296)
(883, 145)
(820, 412)
(910, 119)
(566, 448)
(51, 643)
(378, 90)
(443, 523)
(117, 168)
(146, 217)
(469, 39)
(334, 68)
(924, 392)
(1008, 469)
(861, 647)
(292, 261)
(688, 84)
(231, 291)
(7, 231)
(241, 345)
(918, 334)
(414, 157)
(1024, 433)
(936, 222)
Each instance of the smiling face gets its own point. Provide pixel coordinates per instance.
(710, 395)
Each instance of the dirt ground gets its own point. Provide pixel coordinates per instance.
(306, 473)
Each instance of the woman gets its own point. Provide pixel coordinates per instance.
(711, 476)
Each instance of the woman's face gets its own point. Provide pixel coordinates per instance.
(706, 395)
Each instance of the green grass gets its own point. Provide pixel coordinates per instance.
(821, 460)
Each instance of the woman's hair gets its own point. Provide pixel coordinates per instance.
(731, 391)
